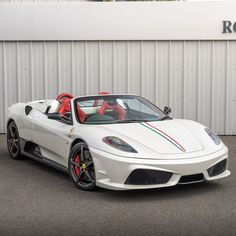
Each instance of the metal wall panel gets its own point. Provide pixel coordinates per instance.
(162, 73)
(38, 74)
(218, 86)
(205, 77)
(120, 72)
(134, 66)
(190, 79)
(195, 78)
(106, 62)
(92, 67)
(148, 66)
(2, 98)
(176, 77)
(230, 121)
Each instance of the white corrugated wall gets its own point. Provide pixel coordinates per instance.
(197, 79)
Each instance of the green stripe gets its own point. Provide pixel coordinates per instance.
(160, 134)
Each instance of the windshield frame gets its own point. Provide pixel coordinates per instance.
(98, 97)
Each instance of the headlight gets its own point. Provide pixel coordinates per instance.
(118, 144)
(213, 136)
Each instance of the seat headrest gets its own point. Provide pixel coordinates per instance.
(65, 106)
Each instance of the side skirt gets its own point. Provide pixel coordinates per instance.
(32, 150)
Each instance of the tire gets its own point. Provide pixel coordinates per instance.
(13, 141)
(81, 167)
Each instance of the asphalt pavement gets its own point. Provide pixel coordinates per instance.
(38, 200)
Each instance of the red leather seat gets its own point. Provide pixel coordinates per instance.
(81, 114)
(63, 96)
(65, 106)
(64, 99)
(95, 104)
(115, 107)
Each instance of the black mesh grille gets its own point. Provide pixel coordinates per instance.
(146, 177)
(217, 168)
(191, 178)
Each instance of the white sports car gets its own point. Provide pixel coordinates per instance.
(117, 142)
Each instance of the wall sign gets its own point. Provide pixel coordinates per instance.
(229, 27)
(161, 20)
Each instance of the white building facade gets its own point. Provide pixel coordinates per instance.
(177, 54)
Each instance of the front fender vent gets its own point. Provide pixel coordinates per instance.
(28, 109)
(148, 177)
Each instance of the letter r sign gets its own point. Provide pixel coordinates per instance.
(229, 26)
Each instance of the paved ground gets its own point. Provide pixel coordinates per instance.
(38, 200)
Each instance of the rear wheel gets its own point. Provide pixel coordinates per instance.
(13, 141)
(81, 167)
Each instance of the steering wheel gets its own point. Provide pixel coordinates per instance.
(63, 96)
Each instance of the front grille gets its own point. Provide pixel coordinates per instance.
(148, 177)
(217, 168)
(191, 178)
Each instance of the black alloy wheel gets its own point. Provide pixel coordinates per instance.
(81, 167)
(13, 141)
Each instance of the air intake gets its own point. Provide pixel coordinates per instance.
(186, 179)
(148, 177)
(217, 169)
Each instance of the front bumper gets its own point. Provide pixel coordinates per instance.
(112, 171)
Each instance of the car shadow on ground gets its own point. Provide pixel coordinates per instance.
(178, 191)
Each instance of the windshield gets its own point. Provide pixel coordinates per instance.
(110, 109)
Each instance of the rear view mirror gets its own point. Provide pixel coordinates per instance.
(167, 111)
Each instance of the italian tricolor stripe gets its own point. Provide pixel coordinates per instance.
(163, 135)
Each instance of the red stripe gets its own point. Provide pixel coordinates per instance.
(165, 134)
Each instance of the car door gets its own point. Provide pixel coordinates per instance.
(53, 138)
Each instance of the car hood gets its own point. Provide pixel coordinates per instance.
(164, 137)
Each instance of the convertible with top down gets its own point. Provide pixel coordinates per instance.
(118, 142)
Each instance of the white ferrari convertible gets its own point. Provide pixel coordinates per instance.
(117, 142)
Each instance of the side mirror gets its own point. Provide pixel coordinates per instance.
(167, 111)
(57, 116)
(54, 116)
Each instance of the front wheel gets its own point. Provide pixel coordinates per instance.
(81, 167)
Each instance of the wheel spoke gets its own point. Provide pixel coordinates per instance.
(11, 132)
(15, 145)
(80, 175)
(90, 162)
(9, 141)
(15, 134)
(75, 163)
(14, 149)
(82, 153)
(89, 176)
(10, 144)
